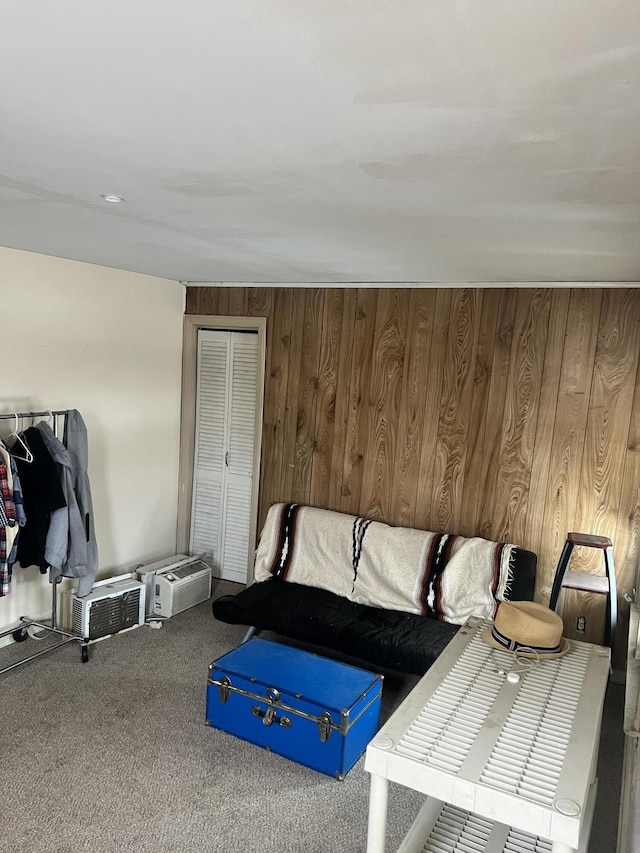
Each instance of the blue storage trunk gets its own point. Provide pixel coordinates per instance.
(315, 711)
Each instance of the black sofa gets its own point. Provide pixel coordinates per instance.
(323, 578)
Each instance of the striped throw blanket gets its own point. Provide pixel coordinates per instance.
(396, 568)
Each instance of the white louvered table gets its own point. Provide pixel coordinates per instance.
(505, 766)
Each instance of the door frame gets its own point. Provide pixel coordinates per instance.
(191, 326)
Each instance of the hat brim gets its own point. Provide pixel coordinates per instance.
(565, 645)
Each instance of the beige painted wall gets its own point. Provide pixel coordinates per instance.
(108, 343)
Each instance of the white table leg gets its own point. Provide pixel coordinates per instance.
(378, 799)
(557, 847)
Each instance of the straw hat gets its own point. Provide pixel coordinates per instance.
(528, 629)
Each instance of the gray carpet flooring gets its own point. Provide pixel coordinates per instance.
(114, 755)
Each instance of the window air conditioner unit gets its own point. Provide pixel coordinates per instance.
(175, 584)
(113, 605)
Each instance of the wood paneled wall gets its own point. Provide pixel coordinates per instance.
(512, 414)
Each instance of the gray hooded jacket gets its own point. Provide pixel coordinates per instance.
(71, 548)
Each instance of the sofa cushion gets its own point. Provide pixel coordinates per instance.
(389, 639)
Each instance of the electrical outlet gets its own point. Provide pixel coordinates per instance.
(581, 624)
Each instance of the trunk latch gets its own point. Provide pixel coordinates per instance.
(324, 726)
(224, 688)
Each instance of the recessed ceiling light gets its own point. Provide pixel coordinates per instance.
(111, 198)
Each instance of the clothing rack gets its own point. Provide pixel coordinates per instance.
(51, 624)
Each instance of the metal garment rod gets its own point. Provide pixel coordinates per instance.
(22, 415)
(22, 633)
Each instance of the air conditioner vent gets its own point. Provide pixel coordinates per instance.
(114, 614)
(110, 607)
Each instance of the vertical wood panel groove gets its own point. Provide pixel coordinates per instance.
(326, 406)
(411, 417)
(385, 386)
(521, 412)
(308, 397)
(278, 355)
(293, 390)
(547, 418)
(357, 409)
(455, 408)
(470, 520)
(344, 368)
(425, 517)
(491, 458)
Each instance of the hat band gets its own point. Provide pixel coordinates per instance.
(515, 646)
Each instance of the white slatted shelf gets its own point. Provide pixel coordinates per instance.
(467, 736)
(442, 828)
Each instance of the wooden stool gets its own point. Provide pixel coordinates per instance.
(601, 584)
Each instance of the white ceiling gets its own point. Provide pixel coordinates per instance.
(325, 141)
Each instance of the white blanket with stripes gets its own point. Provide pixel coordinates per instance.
(396, 568)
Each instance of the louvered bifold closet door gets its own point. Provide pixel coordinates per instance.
(209, 451)
(239, 456)
(224, 447)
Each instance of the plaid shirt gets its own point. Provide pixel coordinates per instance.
(9, 510)
(17, 494)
